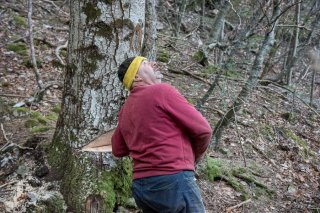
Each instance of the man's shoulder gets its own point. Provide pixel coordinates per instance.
(163, 86)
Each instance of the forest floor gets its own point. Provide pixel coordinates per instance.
(266, 161)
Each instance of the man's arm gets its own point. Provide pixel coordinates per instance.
(188, 118)
(119, 146)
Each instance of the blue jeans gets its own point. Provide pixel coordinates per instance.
(168, 193)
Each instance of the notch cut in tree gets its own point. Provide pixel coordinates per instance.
(100, 144)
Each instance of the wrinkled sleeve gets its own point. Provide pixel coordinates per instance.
(189, 119)
(119, 146)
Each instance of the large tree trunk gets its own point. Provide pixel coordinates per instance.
(102, 35)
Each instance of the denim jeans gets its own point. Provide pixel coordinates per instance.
(168, 193)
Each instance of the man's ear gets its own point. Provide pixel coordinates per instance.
(137, 78)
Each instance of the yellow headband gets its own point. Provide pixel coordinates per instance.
(132, 71)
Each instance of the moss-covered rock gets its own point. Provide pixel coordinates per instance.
(218, 169)
(201, 58)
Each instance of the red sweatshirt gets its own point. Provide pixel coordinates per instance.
(161, 131)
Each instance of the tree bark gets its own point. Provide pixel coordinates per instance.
(102, 35)
(253, 78)
(180, 10)
(294, 45)
(149, 44)
(219, 22)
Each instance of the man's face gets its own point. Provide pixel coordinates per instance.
(149, 73)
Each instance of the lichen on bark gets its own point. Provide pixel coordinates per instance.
(78, 173)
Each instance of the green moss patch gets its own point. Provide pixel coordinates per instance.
(38, 122)
(163, 56)
(19, 21)
(4, 107)
(116, 184)
(211, 69)
(54, 203)
(19, 48)
(91, 11)
(28, 63)
(289, 116)
(56, 109)
(300, 142)
(218, 169)
(201, 58)
(82, 178)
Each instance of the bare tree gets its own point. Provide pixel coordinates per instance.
(253, 78)
(180, 7)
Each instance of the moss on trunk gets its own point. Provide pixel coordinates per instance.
(84, 184)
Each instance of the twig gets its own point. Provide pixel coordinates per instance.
(10, 144)
(5, 137)
(58, 51)
(6, 184)
(13, 95)
(238, 205)
(32, 51)
(4, 133)
(299, 26)
(57, 7)
(235, 13)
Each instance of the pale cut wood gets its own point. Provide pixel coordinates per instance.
(101, 143)
(97, 149)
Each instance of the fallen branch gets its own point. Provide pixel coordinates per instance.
(183, 71)
(289, 90)
(9, 144)
(262, 153)
(6, 184)
(238, 205)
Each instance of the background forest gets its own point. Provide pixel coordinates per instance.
(251, 67)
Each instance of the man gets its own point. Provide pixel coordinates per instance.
(164, 135)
